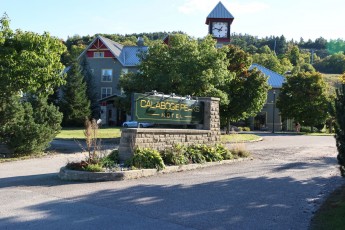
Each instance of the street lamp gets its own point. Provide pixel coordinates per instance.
(274, 107)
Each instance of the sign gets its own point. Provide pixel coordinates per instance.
(166, 109)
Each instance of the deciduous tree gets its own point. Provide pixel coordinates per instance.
(304, 98)
(184, 67)
(29, 64)
(247, 92)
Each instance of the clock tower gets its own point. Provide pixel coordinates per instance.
(219, 21)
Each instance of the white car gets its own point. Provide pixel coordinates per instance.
(134, 124)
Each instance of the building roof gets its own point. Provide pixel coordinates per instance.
(127, 55)
(275, 80)
(219, 12)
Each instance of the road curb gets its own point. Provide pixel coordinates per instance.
(74, 175)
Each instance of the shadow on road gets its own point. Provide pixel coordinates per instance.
(304, 165)
(233, 203)
(42, 180)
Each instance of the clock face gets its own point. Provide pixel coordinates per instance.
(220, 29)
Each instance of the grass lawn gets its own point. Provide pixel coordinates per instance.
(239, 137)
(331, 215)
(319, 134)
(78, 133)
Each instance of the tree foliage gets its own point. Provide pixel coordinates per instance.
(185, 67)
(91, 90)
(334, 63)
(304, 98)
(339, 105)
(247, 91)
(74, 103)
(29, 62)
(336, 46)
(28, 127)
(268, 59)
(29, 65)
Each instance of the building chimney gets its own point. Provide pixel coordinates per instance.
(140, 41)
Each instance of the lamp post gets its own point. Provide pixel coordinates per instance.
(274, 108)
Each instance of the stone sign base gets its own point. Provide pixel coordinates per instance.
(160, 139)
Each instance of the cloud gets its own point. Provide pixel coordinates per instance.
(197, 6)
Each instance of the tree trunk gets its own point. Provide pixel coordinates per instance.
(227, 126)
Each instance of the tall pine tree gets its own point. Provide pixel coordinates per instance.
(74, 103)
(91, 91)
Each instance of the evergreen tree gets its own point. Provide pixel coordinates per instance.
(91, 91)
(74, 103)
(30, 64)
(28, 126)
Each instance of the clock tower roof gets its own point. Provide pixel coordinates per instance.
(219, 12)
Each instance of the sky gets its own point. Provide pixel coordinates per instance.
(309, 19)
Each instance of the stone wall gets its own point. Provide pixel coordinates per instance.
(160, 139)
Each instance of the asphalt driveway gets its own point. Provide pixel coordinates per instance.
(280, 188)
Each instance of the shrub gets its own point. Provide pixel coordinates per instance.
(146, 158)
(195, 155)
(111, 160)
(29, 127)
(240, 151)
(210, 153)
(94, 168)
(224, 152)
(85, 166)
(175, 156)
(77, 165)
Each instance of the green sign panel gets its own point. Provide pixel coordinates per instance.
(165, 109)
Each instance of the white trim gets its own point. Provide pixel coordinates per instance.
(107, 93)
(99, 55)
(109, 76)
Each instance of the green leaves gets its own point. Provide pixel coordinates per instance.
(185, 67)
(304, 98)
(247, 91)
(29, 62)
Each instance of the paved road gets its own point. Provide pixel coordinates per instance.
(279, 189)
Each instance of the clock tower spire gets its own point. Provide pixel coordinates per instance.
(219, 21)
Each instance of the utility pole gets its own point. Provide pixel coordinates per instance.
(274, 108)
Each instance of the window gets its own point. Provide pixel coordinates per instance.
(106, 91)
(107, 74)
(98, 54)
(124, 71)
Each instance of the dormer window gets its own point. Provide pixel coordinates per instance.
(98, 54)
